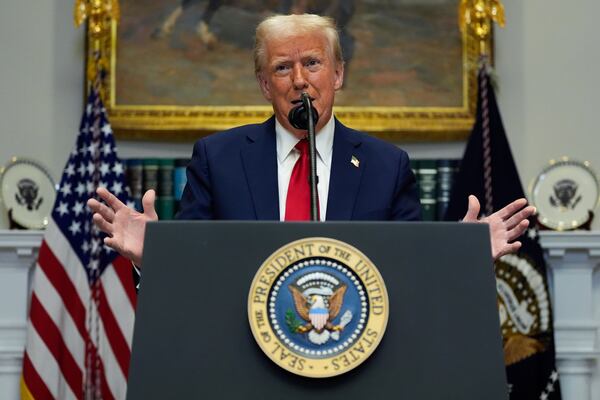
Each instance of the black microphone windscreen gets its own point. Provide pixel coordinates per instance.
(298, 117)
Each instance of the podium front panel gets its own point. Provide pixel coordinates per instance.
(192, 338)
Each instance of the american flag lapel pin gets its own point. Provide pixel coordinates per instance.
(354, 161)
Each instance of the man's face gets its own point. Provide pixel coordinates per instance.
(300, 64)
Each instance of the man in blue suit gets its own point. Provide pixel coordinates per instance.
(251, 172)
(234, 175)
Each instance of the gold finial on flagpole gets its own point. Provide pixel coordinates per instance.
(479, 15)
(99, 15)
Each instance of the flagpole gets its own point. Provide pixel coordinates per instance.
(478, 16)
(100, 15)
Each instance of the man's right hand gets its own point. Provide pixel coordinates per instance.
(124, 226)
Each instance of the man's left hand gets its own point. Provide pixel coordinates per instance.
(506, 225)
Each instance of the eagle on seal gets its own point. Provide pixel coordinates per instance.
(314, 310)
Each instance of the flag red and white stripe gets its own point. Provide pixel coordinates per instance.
(83, 298)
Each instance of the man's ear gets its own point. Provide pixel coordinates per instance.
(339, 76)
(264, 85)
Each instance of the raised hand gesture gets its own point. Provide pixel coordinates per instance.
(506, 225)
(124, 226)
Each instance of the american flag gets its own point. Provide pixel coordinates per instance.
(83, 298)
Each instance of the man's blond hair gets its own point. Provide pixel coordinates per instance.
(285, 26)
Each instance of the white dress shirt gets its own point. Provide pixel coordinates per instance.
(287, 155)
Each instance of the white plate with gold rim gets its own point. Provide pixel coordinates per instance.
(28, 191)
(564, 193)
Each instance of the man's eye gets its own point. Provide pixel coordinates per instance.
(281, 68)
(312, 63)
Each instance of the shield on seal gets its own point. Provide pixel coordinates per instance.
(318, 314)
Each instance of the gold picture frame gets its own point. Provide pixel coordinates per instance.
(189, 122)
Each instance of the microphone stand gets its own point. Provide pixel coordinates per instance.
(312, 153)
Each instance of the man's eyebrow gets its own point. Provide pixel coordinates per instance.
(312, 54)
(279, 60)
(276, 60)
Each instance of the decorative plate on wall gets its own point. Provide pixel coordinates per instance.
(28, 192)
(565, 193)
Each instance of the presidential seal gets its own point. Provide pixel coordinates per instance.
(524, 308)
(318, 307)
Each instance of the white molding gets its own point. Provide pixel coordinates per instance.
(19, 248)
(11, 360)
(573, 260)
(12, 346)
(558, 243)
(18, 253)
(13, 239)
(12, 334)
(570, 239)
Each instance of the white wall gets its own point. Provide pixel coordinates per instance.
(547, 59)
(41, 81)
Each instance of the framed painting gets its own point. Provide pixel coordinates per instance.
(180, 69)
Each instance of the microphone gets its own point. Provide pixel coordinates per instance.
(305, 117)
(298, 116)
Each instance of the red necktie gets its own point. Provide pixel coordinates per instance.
(297, 203)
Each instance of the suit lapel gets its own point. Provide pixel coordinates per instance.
(345, 175)
(260, 165)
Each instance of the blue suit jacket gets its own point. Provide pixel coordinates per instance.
(233, 176)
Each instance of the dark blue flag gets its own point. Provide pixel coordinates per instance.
(488, 171)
